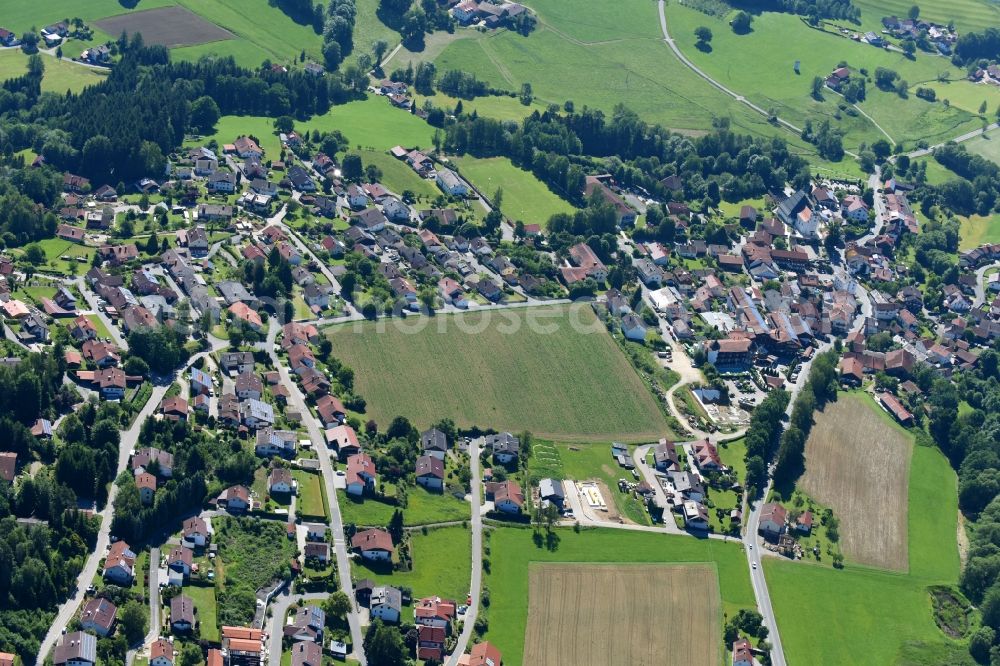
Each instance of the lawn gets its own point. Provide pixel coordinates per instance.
(60, 75)
(374, 124)
(732, 454)
(508, 370)
(441, 566)
(311, 501)
(56, 248)
(204, 600)
(230, 127)
(502, 107)
(399, 177)
(369, 512)
(565, 625)
(368, 28)
(512, 551)
(977, 230)
(966, 95)
(760, 65)
(424, 507)
(856, 599)
(525, 198)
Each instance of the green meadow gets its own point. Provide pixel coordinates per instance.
(761, 65)
(967, 14)
(869, 616)
(374, 124)
(60, 75)
(525, 198)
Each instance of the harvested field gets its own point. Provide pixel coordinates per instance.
(858, 464)
(576, 611)
(169, 26)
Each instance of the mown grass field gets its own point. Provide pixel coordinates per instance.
(374, 124)
(966, 95)
(498, 107)
(869, 499)
(60, 75)
(760, 65)
(987, 145)
(512, 553)
(856, 598)
(230, 127)
(967, 14)
(525, 198)
(423, 508)
(311, 501)
(977, 230)
(573, 618)
(442, 566)
(552, 371)
(262, 31)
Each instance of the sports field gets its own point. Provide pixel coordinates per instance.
(512, 555)
(525, 198)
(576, 613)
(857, 463)
(167, 26)
(60, 75)
(553, 371)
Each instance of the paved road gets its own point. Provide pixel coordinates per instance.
(477, 557)
(980, 284)
(958, 139)
(336, 522)
(129, 441)
(649, 476)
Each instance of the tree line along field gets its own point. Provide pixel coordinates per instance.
(868, 616)
(525, 198)
(603, 54)
(597, 614)
(968, 15)
(761, 65)
(857, 463)
(513, 554)
(494, 369)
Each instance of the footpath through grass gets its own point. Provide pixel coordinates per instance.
(511, 550)
(553, 371)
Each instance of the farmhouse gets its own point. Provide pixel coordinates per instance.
(892, 405)
(772, 520)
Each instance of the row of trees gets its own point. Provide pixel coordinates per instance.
(762, 436)
(820, 388)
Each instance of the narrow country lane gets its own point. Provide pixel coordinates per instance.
(477, 557)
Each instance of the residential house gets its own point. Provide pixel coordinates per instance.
(434, 443)
(485, 654)
(451, 184)
(504, 446)
(235, 499)
(773, 517)
(430, 472)
(76, 648)
(550, 491)
(506, 496)
(306, 625)
(373, 544)
(633, 327)
(182, 612)
(279, 481)
(195, 531)
(665, 457)
(98, 615)
(119, 564)
(242, 646)
(385, 604)
(307, 654)
(181, 559)
(361, 475)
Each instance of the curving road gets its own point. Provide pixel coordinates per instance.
(980, 299)
(958, 139)
(477, 558)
